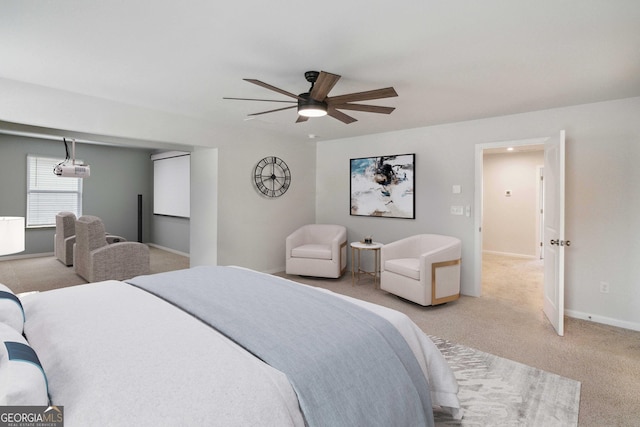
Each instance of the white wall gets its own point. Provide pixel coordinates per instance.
(602, 194)
(510, 223)
(252, 227)
(203, 224)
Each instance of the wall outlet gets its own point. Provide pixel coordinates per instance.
(604, 287)
(457, 210)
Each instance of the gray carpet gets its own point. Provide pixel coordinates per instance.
(500, 392)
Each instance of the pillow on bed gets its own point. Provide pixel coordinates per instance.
(22, 379)
(11, 311)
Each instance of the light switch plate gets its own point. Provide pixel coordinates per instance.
(457, 189)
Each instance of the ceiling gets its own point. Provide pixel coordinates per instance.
(448, 60)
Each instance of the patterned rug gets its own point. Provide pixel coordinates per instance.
(499, 392)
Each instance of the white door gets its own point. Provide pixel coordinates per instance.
(554, 243)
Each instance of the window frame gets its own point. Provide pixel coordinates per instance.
(37, 215)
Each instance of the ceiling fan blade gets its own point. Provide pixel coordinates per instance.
(272, 111)
(253, 99)
(365, 108)
(387, 92)
(340, 116)
(273, 88)
(302, 119)
(323, 85)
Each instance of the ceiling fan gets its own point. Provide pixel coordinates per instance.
(317, 103)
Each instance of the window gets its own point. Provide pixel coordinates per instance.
(48, 194)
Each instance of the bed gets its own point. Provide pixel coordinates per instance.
(224, 346)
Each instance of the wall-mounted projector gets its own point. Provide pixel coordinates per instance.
(72, 171)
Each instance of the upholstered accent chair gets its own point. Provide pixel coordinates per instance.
(424, 268)
(318, 250)
(96, 260)
(65, 237)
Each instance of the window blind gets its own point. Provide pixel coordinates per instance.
(48, 194)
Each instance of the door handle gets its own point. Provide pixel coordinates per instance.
(555, 242)
(559, 242)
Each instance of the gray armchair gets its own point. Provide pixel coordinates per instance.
(65, 237)
(96, 260)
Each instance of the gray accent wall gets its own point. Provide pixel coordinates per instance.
(170, 232)
(118, 175)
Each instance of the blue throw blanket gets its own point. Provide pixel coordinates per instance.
(348, 366)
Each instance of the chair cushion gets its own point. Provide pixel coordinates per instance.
(312, 251)
(409, 267)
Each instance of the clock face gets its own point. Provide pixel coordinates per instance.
(272, 176)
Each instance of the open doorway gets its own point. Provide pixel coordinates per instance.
(510, 204)
(512, 268)
(553, 211)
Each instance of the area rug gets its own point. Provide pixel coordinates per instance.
(499, 392)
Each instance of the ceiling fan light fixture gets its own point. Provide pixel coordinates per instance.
(309, 107)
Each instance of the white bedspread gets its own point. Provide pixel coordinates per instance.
(116, 355)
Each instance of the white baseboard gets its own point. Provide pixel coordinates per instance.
(603, 319)
(173, 251)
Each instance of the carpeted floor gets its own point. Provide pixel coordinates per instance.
(507, 321)
(45, 273)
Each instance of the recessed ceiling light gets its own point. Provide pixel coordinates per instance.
(510, 149)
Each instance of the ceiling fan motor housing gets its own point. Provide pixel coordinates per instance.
(309, 107)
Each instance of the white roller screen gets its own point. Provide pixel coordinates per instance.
(171, 185)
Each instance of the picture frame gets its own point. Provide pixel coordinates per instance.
(383, 186)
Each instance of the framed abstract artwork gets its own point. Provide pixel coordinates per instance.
(383, 186)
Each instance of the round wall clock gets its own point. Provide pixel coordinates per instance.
(272, 176)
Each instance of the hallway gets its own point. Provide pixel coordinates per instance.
(516, 281)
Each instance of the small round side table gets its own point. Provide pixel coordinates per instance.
(356, 269)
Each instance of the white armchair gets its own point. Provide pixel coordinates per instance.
(424, 268)
(318, 250)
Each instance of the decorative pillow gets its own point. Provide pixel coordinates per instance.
(11, 311)
(22, 379)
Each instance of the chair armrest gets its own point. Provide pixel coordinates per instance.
(112, 238)
(337, 243)
(293, 240)
(120, 261)
(447, 253)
